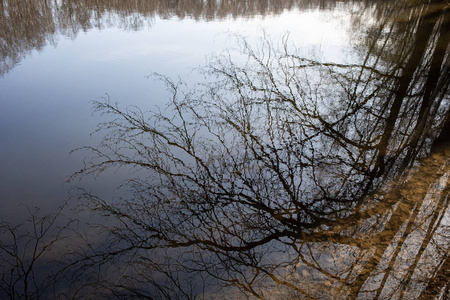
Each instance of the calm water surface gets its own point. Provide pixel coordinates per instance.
(304, 156)
(53, 68)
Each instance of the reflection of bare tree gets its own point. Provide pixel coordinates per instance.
(421, 87)
(283, 175)
(30, 252)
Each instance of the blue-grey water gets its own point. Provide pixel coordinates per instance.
(308, 159)
(45, 98)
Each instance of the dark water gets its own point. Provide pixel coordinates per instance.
(289, 149)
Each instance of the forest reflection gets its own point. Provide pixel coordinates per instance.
(31, 25)
(286, 176)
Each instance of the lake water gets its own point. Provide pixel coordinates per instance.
(314, 162)
(49, 79)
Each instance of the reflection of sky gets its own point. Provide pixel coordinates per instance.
(45, 100)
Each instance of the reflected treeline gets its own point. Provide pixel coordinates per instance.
(284, 176)
(24, 26)
(30, 25)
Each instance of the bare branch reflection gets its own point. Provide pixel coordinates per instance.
(278, 176)
(283, 176)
